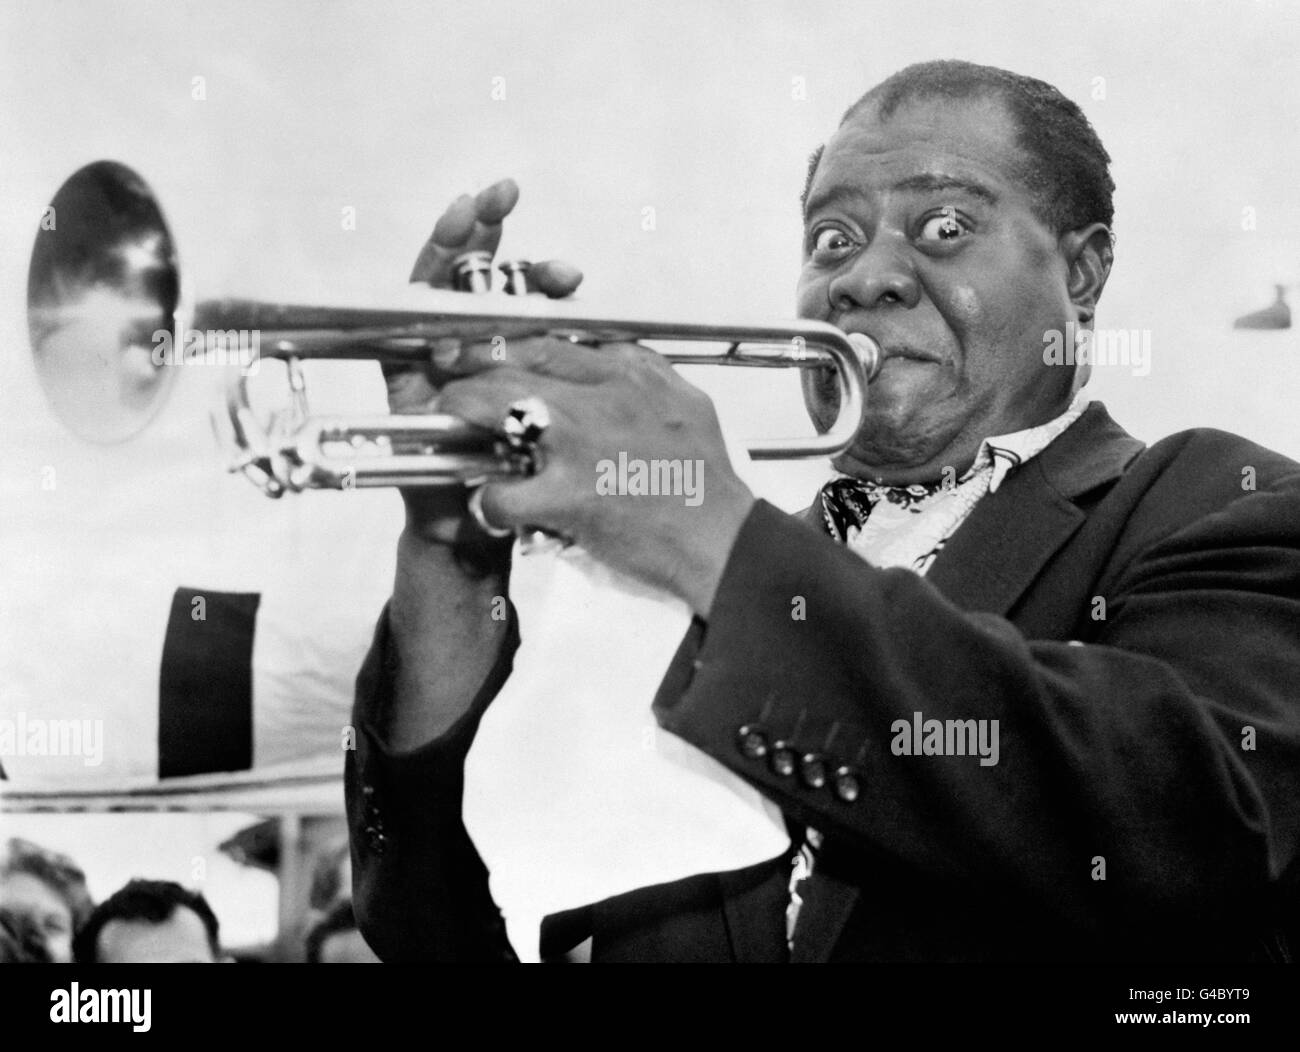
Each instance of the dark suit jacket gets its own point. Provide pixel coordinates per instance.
(1146, 800)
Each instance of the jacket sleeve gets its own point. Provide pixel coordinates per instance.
(1165, 748)
(420, 890)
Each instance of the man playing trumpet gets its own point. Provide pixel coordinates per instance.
(1042, 703)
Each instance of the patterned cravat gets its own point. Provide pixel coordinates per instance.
(846, 502)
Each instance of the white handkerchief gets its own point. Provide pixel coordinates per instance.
(572, 792)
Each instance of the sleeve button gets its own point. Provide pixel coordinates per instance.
(848, 786)
(752, 740)
(783, 759)
(812, 770)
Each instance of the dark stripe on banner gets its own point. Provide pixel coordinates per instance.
(205, 689)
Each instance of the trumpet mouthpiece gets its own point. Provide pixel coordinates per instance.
(868, 351)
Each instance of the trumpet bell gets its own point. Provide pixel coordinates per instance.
(103, 282)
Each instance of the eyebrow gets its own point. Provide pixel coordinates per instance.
(929, 183)
(923, 183)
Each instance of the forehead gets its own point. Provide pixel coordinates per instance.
(968, 140)
(182, 937)
(24, 889)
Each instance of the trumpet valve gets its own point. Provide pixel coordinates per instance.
(472, 271)
(516, 272)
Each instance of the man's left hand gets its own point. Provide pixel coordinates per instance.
(620, 416)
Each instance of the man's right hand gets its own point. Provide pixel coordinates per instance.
(446, 611)
(439, 514)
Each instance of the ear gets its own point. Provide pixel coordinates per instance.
(1089, 253)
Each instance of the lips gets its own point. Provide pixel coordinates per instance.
(896, 347)
(888, 348)
(888, 351)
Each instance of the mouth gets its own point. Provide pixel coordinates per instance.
(891, 350)
(895, 352)
(905, 355)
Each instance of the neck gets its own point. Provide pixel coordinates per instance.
(913, 467)
(886, 474)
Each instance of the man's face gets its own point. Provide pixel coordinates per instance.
(23, 893)
(919, 233)
(180, 939)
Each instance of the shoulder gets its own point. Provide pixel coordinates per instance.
(1207, 448)
(1204, 469)
(1206, 489)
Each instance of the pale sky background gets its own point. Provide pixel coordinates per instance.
(686, 107)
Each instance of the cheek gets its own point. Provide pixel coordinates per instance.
(993, 324)
(966, 310)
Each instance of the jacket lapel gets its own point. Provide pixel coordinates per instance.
(828, 904)
(753, 903)
(997, 553)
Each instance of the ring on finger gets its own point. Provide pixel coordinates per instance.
(476, 513)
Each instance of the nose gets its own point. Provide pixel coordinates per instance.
(879, 275)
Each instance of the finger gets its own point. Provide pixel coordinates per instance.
(441, 349)
(497, 201)
(555, 277)
(435, 265)
(514, 503)
(541, 355)
(450, 236)
(485, 399)
(470, 224)
(410, 389)
(455, 225)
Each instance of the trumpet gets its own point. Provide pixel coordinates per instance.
(106, 293)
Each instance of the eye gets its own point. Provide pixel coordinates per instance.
(829, 243)
(944, 227)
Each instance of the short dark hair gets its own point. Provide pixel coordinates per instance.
(1067, 169)
(338, 919)
(57, 871)
(154, 901)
